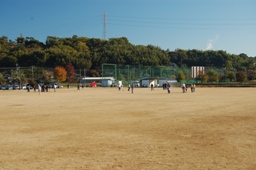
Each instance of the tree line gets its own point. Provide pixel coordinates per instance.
(91, 53)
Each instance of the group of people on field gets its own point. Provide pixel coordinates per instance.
(44, 88)
(185, 88)
(131, 87)
(167, 86)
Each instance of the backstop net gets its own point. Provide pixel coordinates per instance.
(129, 73)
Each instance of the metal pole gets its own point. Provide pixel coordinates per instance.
(17, 73)
(128, 73)
(32, 73)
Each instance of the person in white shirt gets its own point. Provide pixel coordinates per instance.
(39, 89)
(183, 87)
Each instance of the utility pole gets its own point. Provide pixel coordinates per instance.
(105, 27)
(32, 73)
(18, 73)
(80, 72)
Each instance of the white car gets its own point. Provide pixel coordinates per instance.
(59, 86)
(56, 86)
(15, 87)
(23, 87)
(136, 83)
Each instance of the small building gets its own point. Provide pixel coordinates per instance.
(172, 82)
(135, 83)
(106, 83)
(148, 81)
(118, 83)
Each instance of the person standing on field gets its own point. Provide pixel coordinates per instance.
(54, 87)
(39, 89)
(132, 87)
(192, 88)
(119, 86)
(183, 87)
(168, 86)
(152, 87)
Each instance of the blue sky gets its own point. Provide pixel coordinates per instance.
(228, 25)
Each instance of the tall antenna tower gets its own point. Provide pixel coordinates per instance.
(105, 27)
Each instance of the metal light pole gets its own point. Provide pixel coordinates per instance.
(18, 73)
(128, 78)
(32, 73)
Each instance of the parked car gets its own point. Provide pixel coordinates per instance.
(52, 86)
(8, 87)
(59, 86)
(136, 83)
(29, 86)
(25, 86)
(15, 87)
(2, 87)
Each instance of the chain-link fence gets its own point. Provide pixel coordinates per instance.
(129, 73)
(137, 72)
(125, 73)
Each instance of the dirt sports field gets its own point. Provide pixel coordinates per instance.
(104, 129)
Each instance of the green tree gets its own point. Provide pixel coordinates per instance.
(38, 72)
(121, 77)
(182, 57)
(46, 77)
(19, 77)
(32, 82)
(36, 58)
(8, 61)
(213, 76)
(202, 77)
(180, 76)
(94, 73)
(251, 74)
(2, 79)
(91, 53)
(230, 75)
(229, 65)
(241, 76)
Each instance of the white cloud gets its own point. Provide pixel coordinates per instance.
(211, 42)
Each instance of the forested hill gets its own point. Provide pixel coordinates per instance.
(90, 53)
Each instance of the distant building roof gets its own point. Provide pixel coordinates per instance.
(98, 78)
(149, 78)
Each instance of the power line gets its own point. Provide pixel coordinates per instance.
(194, 23)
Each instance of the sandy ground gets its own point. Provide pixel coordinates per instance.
(103, 128)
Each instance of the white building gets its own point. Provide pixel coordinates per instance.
(105, 81)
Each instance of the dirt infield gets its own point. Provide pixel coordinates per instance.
(103, 128)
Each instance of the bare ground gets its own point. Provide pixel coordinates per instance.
(103, 128)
